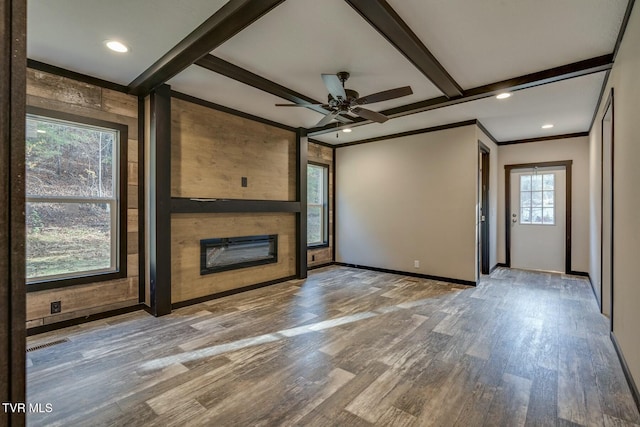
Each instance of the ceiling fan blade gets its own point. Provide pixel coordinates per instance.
(334, 86)
(385, 95)
(326, 119)
(343, 119)
(370, 115)
(299, 105)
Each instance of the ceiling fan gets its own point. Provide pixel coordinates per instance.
(342, 101)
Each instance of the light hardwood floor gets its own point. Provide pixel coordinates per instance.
(345, 347)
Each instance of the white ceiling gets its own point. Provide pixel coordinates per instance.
(478, 42)
(482, 42)
(71, 33)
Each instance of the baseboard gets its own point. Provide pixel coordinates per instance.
(229, 292)
(579, 273)
(411, 274)
(315, 267)
(499, 264)
(595, 295)
(85, 319)
(625, 369)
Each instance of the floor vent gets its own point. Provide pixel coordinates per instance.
(49, 344)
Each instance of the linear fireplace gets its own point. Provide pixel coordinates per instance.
(230, 253)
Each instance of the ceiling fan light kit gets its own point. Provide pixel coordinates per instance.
(342, 101)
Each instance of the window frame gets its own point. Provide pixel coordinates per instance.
(120, 213)
(325, 206)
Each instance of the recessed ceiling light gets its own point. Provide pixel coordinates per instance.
(503, 95)
(547, 126)
(347, 130)
(116, 46)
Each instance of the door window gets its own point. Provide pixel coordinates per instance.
(537, 199)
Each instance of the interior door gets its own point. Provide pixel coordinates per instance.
(538, 203)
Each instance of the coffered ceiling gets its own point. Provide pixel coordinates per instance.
(481, 47)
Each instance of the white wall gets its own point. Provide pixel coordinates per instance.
(493, 196)
(576, 149)
(625, 80)
(595, 191)
(410, 198)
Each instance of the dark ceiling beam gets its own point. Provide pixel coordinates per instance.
(234, 72)
(383, 18)
(229, 20)
(552, 75)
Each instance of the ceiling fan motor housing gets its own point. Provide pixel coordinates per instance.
(344, 104)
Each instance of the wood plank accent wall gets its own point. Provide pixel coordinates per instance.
(188, 229)
(213, 150)
(320, 154)
(62, 94)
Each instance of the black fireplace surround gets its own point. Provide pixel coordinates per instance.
(230, 253)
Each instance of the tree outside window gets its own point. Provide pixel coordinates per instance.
(72, 187)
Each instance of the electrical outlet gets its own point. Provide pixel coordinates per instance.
(416, 264)
(56, 307)
(244, 181)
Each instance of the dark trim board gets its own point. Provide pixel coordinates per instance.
(608, 105)
(408, 133)
(324, 144)
(218, 107)
(327, 264)
(545, 138)
(602, 90)
(625, 368)
(141, 204)
(229, 20)
(13, 29)
(333, 205)
(159, 188)
(486, 132)
(79, 77)
(410, 274)
(485, 225)
(495, 267)
(230, 292)
(580, 273)
(552, 75)
(593, 289)
(302, 148)
(84, 319)
(507, 188)
(185, 205)
(381, 16)
(227, 69)
(623, 28)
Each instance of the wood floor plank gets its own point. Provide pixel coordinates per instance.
(345, 347)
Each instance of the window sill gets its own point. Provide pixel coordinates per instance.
(318, 246)
(74, 281)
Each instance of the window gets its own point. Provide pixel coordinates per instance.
(537, 199)
(74, 187)
(318, 205)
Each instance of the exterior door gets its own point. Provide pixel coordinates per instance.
(538, 203)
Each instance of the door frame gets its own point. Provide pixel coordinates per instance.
(507, 201)
(608, 105)
(485, 253)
